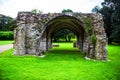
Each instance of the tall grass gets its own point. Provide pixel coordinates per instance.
(60, 63)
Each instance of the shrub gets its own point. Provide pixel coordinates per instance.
(6, 35)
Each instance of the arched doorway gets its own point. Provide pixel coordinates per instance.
(64, 22)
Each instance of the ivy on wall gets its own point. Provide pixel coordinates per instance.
(88, 23)
(93, 39)
(89, 28)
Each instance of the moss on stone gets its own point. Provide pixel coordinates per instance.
(93, 39)
(44, 21)
(88, 23)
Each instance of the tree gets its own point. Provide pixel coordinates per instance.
(111, 15)
(96, 9)
(36, 11)
(7, 23)
(107, 13)
(63, 34)
(66, 10)
(115, 19)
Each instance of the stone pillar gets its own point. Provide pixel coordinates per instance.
(79, 42)
(85, 44)
(101, 47)
(42, 45)
(49, 43)
(91, 49)
(27, 34)
(19, 40)
(32, 38)
(101, 43)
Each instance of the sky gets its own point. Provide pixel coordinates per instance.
(12, 7)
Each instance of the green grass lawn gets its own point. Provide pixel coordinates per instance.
(63, 63)
(6, 42)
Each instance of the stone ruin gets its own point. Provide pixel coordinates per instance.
(34, 32)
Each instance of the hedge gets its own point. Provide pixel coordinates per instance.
(6, 35)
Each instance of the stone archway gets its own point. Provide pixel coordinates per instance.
(64, 22)
(34, 32)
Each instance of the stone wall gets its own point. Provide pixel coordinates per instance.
(102, 42)
(19, 43)
(33, 34)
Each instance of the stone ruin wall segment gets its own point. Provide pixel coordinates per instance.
(30, 38)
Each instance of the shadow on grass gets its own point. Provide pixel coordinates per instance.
(1, 74)
(64, 54)
(64, 42)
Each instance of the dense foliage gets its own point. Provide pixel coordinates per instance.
(64, 34)
(66, 10)
(6, 35)
(6, 23)
(36, 11)
(111, 14)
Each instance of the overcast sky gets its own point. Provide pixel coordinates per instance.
(12, 7)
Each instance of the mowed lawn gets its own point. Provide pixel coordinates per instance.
(6, 42)
(60, 63)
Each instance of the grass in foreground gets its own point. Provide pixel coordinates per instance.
(63, 63)
(6, 42)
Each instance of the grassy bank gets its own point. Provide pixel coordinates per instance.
(60, 63)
